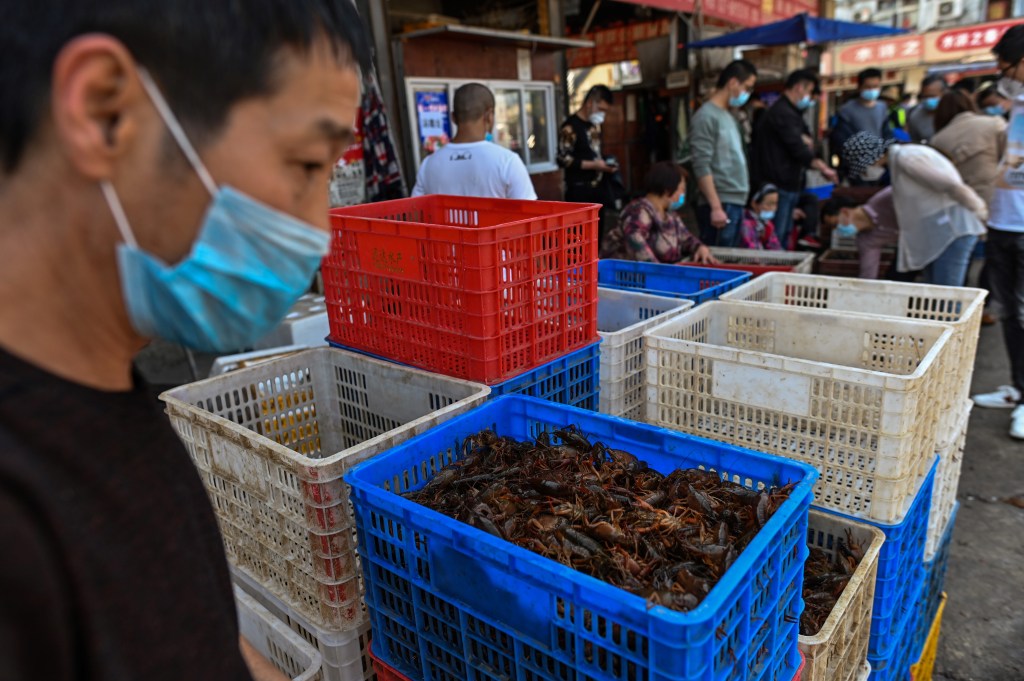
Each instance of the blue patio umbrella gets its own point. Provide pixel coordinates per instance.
(801, 28)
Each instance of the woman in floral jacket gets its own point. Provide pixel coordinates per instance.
(650, 229)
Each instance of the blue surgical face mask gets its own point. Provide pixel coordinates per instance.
(678, 203)
(846, 230)
(804, 103)
(488, 136)
(931, 103)
(248, 265)
(994, 110)
(767, 215)
(739, 100)
(870, 95)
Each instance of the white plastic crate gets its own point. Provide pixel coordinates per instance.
(272, 443)
(856, 396)
(957, 306)
(947, 480)
(285, 649)
(622, 318)
(797, 261)
(839, 651)
(344, 655)
(305, 324)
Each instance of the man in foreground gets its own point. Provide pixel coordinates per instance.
(164, 168)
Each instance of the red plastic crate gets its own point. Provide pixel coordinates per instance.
(481, 289)
(382, 669)
(800, 670)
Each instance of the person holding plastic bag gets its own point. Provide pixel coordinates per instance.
(940, 217)
(1005, 247)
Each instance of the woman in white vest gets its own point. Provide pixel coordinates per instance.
(940, 217)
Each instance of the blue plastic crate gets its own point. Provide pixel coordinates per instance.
(821, 192)
(699, 284)
(904, 651)
(573, 379)
(934, 582)
(900, 569)
(450, 602)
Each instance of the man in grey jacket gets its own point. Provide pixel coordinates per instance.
(719, 158)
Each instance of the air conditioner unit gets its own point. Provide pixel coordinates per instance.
(951, 9)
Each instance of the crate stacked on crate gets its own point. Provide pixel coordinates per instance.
(284, 648)
(622, 318)
(839, 650)
(272, 442)
(933, 594)
(857, 396)
(496, 291)
(450, 601)
(699, 284)
(759, 262)
(961, 308)
(922, 669)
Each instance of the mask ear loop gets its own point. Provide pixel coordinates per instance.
(118, 212)
(176, 130)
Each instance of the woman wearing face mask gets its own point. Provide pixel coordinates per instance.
(650, 229)
(974, 142)
(758, 228)
(940, 217)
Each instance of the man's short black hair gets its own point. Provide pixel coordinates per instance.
(801, 76)
(741, 70)
(932, 79)
(866, 74)
(663, 178)
(601, 93)
(987, 92)
(836, 204)
(472, 101)
(1010, 47)
(205, 55)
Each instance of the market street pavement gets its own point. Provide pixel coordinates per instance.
(982, 636)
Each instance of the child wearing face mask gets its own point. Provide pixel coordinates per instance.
(757, 231)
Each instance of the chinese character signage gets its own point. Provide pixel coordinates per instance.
(432, 119)
(886, 53)
(969, 41)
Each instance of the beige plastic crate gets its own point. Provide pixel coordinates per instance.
(839, 651)
(285, 649)
(959, 307)
(947, 480)
(272, 443)
(856, 396)
(622, 318)
(799, 261)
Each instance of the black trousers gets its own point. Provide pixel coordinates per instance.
(1005, 254)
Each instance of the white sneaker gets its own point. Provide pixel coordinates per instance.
(1004, 397)
(1017, 423)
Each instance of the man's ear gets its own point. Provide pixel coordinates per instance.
(94, 101)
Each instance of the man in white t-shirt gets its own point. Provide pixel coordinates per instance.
(472, 165)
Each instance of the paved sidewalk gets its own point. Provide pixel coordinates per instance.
(983, 627)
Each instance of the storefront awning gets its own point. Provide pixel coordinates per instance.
(477, 34)
(801, 28)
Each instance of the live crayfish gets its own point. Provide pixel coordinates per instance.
(667, 538)
(825, 579)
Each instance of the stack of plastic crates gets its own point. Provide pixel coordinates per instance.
(451, 602)
(947, 481)
(699, 284)
(935, 567)
(759, 262)
(839, 650)
(479, 289)
(959, 307)
(272, 443)
(622, 318)
(925, 665)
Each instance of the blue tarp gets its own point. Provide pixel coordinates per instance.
(801, 28)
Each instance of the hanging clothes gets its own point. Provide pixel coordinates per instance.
(383, 172)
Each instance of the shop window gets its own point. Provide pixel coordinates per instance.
(524, 118)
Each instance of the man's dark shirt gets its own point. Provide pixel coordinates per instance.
(112, 565)
(578, 141)
(780, 153)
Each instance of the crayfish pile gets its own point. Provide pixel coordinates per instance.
(667, 538)
(825, 578)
